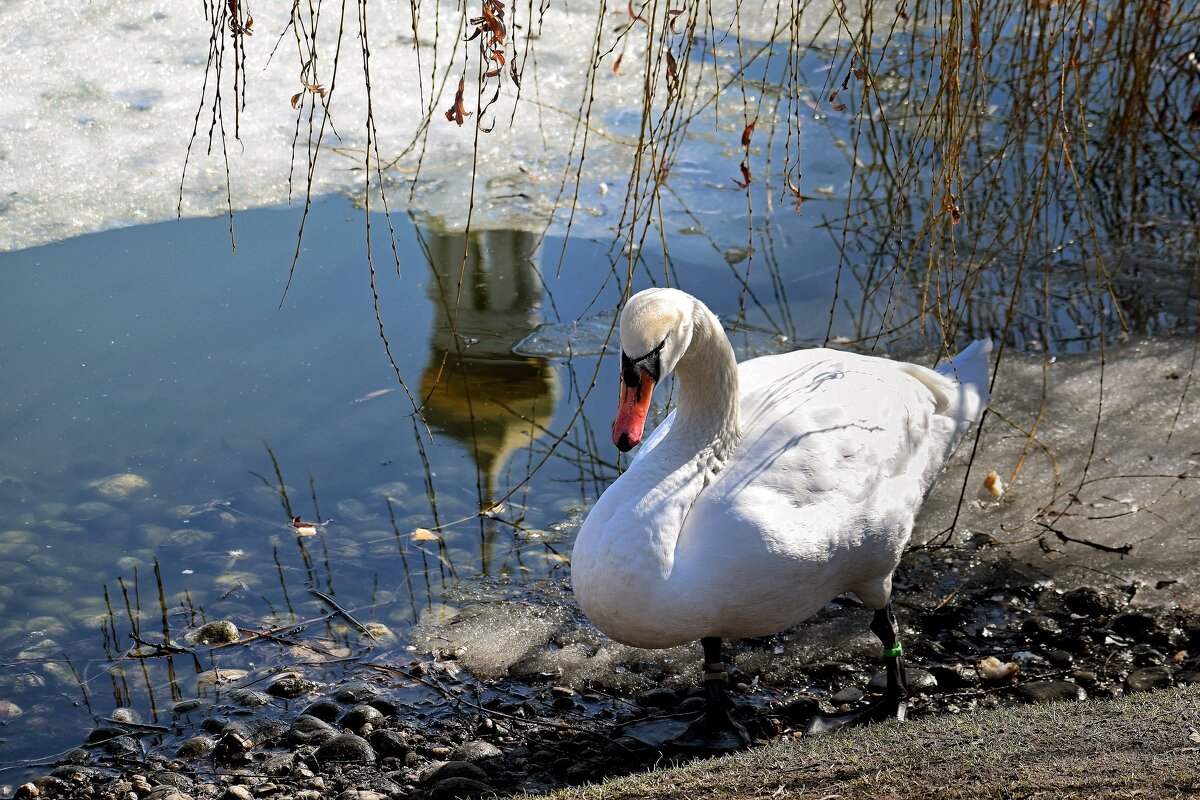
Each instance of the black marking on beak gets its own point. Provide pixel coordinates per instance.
(632, 368)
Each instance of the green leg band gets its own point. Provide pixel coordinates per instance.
(893, 652)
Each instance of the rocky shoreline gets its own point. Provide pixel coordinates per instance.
(1008, 640)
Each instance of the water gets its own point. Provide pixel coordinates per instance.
(165, 419)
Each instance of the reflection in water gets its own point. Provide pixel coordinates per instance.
(476, 390)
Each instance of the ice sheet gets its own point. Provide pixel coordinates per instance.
(103, 97)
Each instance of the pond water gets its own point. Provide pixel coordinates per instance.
(165, 419)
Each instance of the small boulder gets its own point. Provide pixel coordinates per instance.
(476, 750)
(1148, 679)
(221, 631)
(346, 748)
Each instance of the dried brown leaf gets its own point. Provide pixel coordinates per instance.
(747, 178)
(747, 132)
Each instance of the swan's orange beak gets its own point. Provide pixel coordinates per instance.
(631, 412)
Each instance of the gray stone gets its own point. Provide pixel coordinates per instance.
(389, 744)
(1041, 627)
(249, 698)
(851, 694)
(237, 793)
(197, 747)
(346, 748)
(459, 787)
(279, 766)
(290, 686)
(661, 697)
(1050, 691)
(453, 769)
(1088, 602)
(326, 710)
(476, 750)
(356, 692)
(1148, 679)
(310, 730)
(359, 716)
(221, 631)
(166, 793)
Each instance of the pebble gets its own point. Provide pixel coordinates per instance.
(346, 748)
(475, 750)
(919, 680)
(389, 744)
(459, 787)
(325, 710)
(221, 631)
(290, 686)
(452, 769)
(1050, 691)
(660, 697)
(249, 698)
(121, 486)
(197, 747)
(1088, 602)
(799, 710)
(851, 694)
(237, 793)
(1133, 625)
(1148, 679)
(1040, 626)
(360, 715)
(1060, 658)
(355, 692)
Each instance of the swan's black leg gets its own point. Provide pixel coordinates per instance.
(716, 730)
(894, 704)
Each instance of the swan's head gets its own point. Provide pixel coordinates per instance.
(656, 329)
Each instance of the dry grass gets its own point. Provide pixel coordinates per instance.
(1136, 746)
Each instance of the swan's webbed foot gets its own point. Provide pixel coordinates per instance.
(894, 704)
(716, 731)
(879, 711)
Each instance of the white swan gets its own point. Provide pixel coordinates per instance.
(775, 486)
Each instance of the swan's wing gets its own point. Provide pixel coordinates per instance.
(837, 454)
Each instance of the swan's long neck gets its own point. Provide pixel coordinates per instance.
(707, 416)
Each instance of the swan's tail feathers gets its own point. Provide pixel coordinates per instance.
(971, 370)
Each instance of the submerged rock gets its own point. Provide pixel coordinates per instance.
(290, 686)
(120, 487)
(221, 631)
